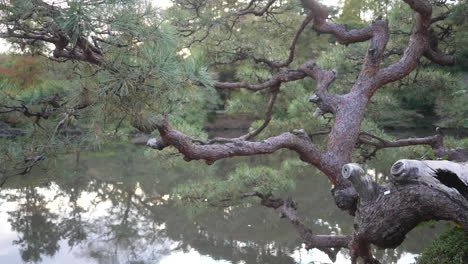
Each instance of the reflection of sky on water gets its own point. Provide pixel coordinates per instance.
(10, 254)
(74, 255)
(120, 201)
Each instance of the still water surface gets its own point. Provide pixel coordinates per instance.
(114, 206)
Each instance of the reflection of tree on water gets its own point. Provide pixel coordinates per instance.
(124, 234)
(37, 227)
(136, 223)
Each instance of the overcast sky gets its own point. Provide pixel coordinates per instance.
(166, 3)
(163, 4)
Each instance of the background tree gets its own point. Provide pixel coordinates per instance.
(131, 69)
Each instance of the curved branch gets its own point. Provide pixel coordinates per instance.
(377, 32)
(433, 141)
(327, 102)
(267, 119)
(342, 34)
(254, 133)
(249, 10)
(436, 142)
(436, 56)
(292, 48)
(297, 141)
(418, 46)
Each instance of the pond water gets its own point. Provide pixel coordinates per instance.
(114, 206)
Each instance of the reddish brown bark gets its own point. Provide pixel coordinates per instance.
(410, 204)
(348, 109)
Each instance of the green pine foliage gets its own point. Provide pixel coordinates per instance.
(146, 75)
(165, 63)
(449, 248)
(244, 179)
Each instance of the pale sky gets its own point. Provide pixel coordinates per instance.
(163, 4)
(166, 3)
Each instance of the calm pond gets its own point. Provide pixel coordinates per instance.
(113, 206)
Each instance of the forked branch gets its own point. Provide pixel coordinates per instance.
(250, 8)
(419, 45)
(342, 34)
(297, 141)
(436, 142)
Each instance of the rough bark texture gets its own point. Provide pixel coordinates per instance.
(387, 220)
(348, 109)
(384, 214)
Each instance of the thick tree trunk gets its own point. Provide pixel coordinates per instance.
(387, 220)
(386, 213)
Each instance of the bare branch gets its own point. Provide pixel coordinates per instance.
(45, 114)
(376, 32)
(440, 17)
(439, 57)
(319, 133)
(296, 141)
(323, 77)
(292, 48)
(288, 76)
(418, 46)
(248, 6)
(343, 35)
(33, 36)
(267, 119)
(254, 133)
(436, 142)
(379, 143)
(250, 10)
(118, 45)
(433, 141)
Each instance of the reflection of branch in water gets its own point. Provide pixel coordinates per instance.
(194, 235)
(329, 244)
(23, 170)
(125, 232)
(201, 235)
